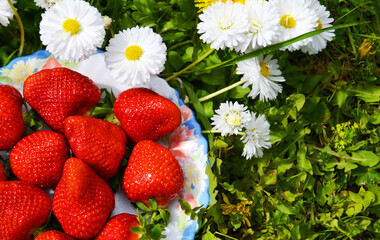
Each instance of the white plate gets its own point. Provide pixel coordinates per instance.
(186, 143)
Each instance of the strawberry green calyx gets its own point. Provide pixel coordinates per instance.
(153, 220)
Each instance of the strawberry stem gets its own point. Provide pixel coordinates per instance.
(152, 222)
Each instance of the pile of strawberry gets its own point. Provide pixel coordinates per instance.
(79, 155)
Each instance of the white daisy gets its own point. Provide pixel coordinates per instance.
(21, 70)
(230, 118)
(6, 12)
(296, 18)
(264, 21)
(256, 137)
(45, 4)
(319, 41)
(263, 74)
(224, 25)
(134, 55)
(72, 30)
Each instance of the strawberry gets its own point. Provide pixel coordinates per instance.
(3, 175)
(119, 228)
(23, 207)
(98, 143)
(146, 115)
(53, 235)
(152, 172)
(58, 93)
(11, 121)
(82, 201)
(39, 158)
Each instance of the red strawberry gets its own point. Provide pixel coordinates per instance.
(23, 207)
(152, 172)
(58, 93)
(119, 228)
(3, 175)
(53, 235)
(11, 121)
(98, 143)
(144, 114)
(82, 201)
(39, 158)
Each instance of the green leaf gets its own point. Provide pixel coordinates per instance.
(208, 106)
(212, 185)
(298, 101)
(357, 146)
(375, 189)
(209, 236)
(376, 226)
(238, 92)
(375, 117)
(289, 196)
(184, 205)
(200, 111)
(366, 93)
(218, 144)
(302, 162)
(236, 219)
(321, 195)
(368, 197)
(277, 133)
(270, 178)
(215, 77)
(286, 209)
(346, 165)
(340, 98)
(365, 158)
(366, 175)
(175, 60)
(187, 8)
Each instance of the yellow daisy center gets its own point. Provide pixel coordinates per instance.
(133, 52)
(233, 118)
(225, 23)
(264, 70)
(320, 25)
(71, 25)
(288, 21)
(255, 26)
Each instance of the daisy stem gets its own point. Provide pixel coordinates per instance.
(179, 45)
(226, 236)
(217, 131)
(214, 94)
(21, 28)
(211, 131)
(176, 74)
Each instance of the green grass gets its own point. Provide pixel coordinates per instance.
(305, 186)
